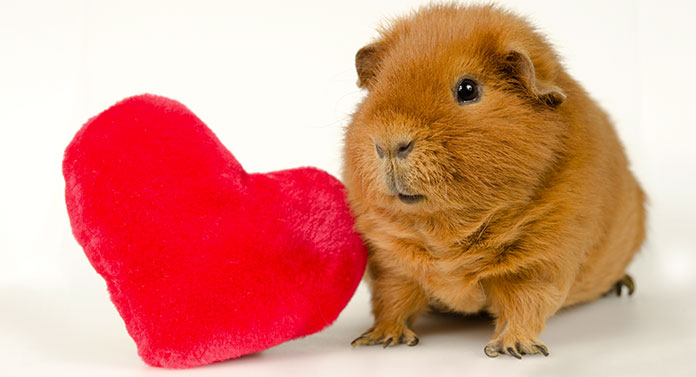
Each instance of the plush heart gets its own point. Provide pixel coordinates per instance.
(204, 261)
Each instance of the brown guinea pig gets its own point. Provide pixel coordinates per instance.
(484, 178)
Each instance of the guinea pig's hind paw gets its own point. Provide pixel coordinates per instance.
(626, 281)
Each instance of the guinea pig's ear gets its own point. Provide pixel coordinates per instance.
(521, 69)
(367, 62)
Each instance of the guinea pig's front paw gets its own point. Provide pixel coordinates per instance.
(387, 336)
(515, 346)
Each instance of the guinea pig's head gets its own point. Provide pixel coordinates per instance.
(463, 111)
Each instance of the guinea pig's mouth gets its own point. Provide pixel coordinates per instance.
(397, 188)
(410, 199)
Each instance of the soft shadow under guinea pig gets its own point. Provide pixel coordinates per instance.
(483, 177)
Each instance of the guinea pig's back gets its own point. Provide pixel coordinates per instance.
(614, 198)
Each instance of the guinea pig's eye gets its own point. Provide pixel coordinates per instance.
(467, 91)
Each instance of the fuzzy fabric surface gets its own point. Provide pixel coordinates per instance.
(203, 261)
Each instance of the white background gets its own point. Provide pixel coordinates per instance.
(275, 80)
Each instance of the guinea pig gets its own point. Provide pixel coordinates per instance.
(483, 178)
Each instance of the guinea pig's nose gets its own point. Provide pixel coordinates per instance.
(403, 149)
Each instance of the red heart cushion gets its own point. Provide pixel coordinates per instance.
(204, 261)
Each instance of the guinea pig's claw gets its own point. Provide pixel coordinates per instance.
(542, 349)
(387, 342)
(490, 351)
(511, 351)
(626, 281)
